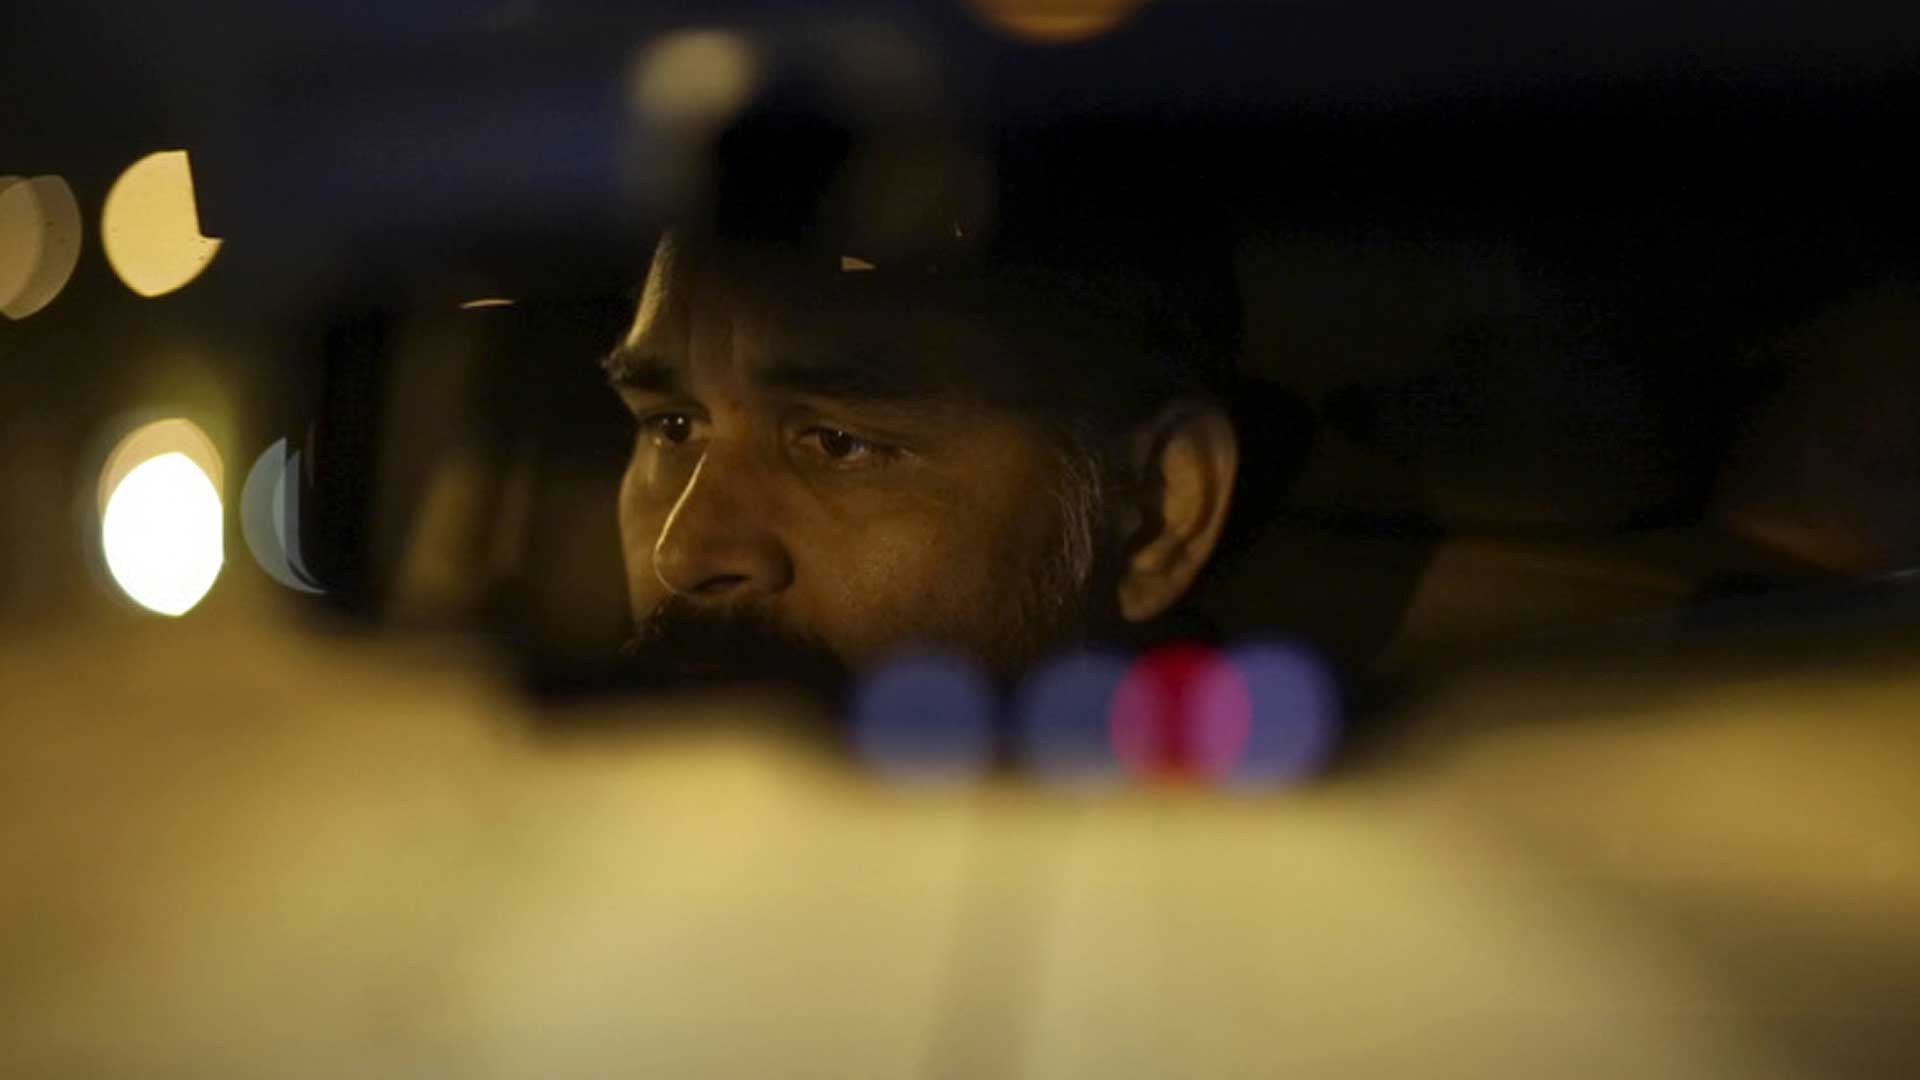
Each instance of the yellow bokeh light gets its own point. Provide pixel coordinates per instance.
(19, 237)
(39, 242)
(1055, 22)
(150, 225)
(162, 534)
(691, 78)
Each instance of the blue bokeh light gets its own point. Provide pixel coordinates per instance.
(1296, 714)
(1064, 712)
(925, 716)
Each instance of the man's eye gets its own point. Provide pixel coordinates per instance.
(842, 447)
(666, 429)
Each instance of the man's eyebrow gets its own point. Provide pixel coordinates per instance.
(631, 368)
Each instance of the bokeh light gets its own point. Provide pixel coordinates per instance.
(694, 78)
(163, 545)
(925, 717)
(174, 435)
(1063, 712)
(1294, 708)
(150, 226)
(1180, 714)
(161, 534)
(1054, 22)
(40, 231)
(270, 518)
(19, 237)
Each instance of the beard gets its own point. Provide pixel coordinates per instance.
(685, 644)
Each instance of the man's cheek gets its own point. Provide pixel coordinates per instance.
(903, 583)
(639, 530)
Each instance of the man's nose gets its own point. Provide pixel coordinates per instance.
(718, 542)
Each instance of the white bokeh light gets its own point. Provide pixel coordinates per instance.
(162, 534)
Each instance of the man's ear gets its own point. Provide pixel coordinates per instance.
(1184, 459)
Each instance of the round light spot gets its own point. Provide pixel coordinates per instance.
(694, 78)
(39, 242)
(925, 717)
(1054, 22)
(150, 226)
(19, 237)
(1294, 707)
(1219, 719)
(162, 534)
(171, 436)
(270, 518)
(1178, 715)
(1063, 712)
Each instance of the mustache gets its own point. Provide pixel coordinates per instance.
(684, 644)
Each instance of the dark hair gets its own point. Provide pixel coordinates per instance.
(1108, 236)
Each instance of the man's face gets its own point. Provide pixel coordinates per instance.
(831, 472)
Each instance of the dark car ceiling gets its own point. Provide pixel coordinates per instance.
(436, 116)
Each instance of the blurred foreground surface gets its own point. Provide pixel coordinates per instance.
(244, 849)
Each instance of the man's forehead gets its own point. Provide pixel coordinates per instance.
(786, 321)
